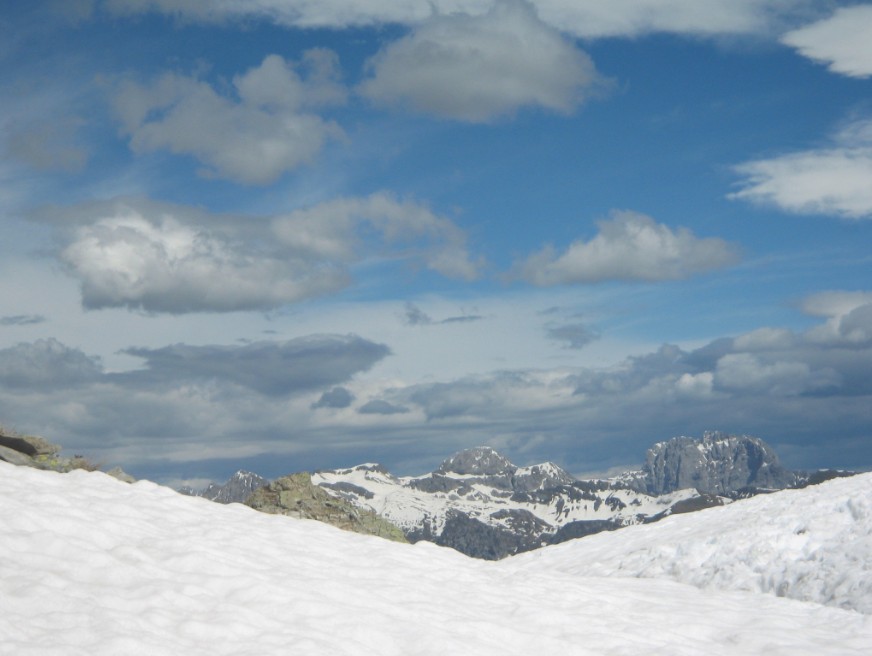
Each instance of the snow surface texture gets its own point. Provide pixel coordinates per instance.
(813, 544)
(90, 565)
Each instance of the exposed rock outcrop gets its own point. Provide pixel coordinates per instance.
(33, 451)
(716, 464)
(296, 496)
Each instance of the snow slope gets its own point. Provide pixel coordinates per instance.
(813, 544)
(90, 565)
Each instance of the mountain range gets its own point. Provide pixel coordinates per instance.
(484, 506)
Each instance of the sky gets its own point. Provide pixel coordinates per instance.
(285, 235)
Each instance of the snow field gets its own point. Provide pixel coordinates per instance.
(89, 565)
(813, 544)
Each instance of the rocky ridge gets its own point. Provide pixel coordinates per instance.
(296, 496)
(481, 504)
(34, 451)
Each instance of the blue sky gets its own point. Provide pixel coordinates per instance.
(287, 235)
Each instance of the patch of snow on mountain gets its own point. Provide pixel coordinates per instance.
(91, 566)
(813, 544)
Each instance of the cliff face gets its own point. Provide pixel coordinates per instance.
(716, 464)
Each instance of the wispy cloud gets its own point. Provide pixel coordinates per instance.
(21, 320)
(415, 316)
(583, 18)
(835, 179)
(840, 41)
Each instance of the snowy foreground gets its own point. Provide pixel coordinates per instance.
(89, 565)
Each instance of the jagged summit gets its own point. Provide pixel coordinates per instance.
(478, 461)
(540, 477)
(718, 463)
(236, 490)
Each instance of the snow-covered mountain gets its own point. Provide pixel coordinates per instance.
(481, 504)
(239, 487)
(484, 506)
(92, 566)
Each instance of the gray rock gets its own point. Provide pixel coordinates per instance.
(29, 445)
(540, 477)
(15, 457)
(716, 464)
(296, 496)
(237, 489)
(479, 461)
(121, 475)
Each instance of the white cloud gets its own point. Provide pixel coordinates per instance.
(765, 339)
(746, 372)
(583, 18)
(164, 258)
(268, 128)
(834, 180)
(333, 230)
(131, 257)
(848, 314)
(629, 246)
(842, 41)
(695, 385)
(478, 68)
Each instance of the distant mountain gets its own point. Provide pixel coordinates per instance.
(716, 464)
(481, 504)
(237, 489)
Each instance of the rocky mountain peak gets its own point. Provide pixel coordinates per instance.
(717, 463)
(478, 461)
(236, 490)
(540, 477)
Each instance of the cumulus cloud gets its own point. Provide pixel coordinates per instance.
(583, 18)
(745, 372)
(338, 397)
(274, 368)
(840, 41)
(848, 318)
(478, 68)
(262, 129)
(168, 258)
(834, 179)
(46, 363)
(258, 404)
(629, 246)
